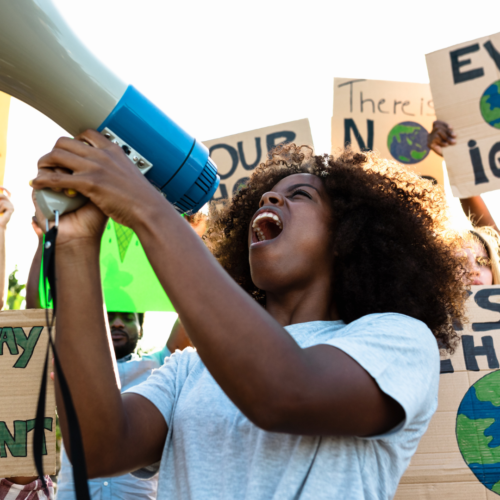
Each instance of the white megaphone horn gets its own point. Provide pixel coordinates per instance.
(43, 64)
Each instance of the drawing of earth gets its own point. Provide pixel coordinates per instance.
(478, 430)
(490, 105)
(407, 142)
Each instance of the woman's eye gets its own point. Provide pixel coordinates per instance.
(301, 192)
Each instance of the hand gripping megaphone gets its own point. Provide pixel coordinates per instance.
(43, 64)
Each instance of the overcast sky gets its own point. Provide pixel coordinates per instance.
(223, 67)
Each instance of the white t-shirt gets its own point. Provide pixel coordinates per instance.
(213, 451)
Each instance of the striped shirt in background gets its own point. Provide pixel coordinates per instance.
(30, 491)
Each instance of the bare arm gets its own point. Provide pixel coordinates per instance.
(32, 286)
(120, 434)
(476, 209)
(274, 382)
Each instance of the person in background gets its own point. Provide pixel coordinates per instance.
(32, 286)
(126, 331)
(483, 253)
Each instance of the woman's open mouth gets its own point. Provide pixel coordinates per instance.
(266, 226)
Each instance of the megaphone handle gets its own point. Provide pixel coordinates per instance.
(50, 201)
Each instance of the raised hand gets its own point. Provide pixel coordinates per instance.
(86, 224)
(441, 136)
(6, 207)
(99, 170)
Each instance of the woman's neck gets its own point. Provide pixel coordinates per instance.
(301, 306)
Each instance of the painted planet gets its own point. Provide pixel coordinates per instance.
(490, 105)
(407, 142)
(478, 430)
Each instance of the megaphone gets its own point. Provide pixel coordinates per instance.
(43, 64)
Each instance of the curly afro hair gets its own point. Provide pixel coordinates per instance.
(393, 246)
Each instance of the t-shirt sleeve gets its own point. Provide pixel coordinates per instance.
(163, 386)
(402, 355)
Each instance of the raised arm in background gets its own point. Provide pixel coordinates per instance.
(32, 286)
(6, 211)
(441, 136)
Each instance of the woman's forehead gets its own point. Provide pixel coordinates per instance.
(294, 179)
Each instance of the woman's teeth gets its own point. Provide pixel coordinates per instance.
(265, 217)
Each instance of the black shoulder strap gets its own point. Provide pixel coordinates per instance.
(75, 437)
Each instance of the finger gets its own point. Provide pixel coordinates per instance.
(80, 148)
(67, 160)
(94, 138)
(441, 133)
(5, 190)
(47, 178)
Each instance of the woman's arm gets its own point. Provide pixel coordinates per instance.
(119, 433)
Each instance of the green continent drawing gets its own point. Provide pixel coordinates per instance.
(478, 430)
(407, 142)
(490, 105)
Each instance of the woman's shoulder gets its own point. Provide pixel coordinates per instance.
(394, 334)
(392, 324)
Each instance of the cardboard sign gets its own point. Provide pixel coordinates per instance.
(465, 84)
(392, 118)
(459, 455)
(236, 156)
(128, 281)
(23, 344)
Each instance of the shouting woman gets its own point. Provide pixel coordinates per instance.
(316, 321)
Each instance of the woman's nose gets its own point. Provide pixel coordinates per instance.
(271, 199)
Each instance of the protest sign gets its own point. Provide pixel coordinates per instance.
(23, 345)
(459, 455)
(465, 84)
(4, 119)
(236, 156)
(128, 281)
(392, 118)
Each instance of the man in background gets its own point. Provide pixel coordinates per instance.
(126, 331)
